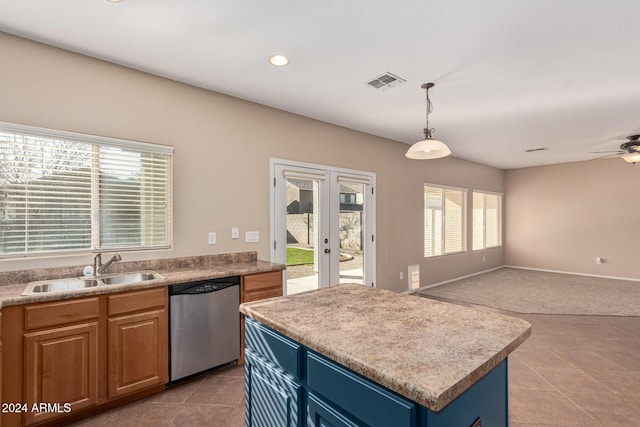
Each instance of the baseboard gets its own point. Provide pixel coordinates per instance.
(422, 288)
(574, 273)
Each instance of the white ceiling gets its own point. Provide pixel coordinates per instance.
(510, 75)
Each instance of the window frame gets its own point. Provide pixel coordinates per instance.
(463, 232)
(97, 142)
(484, 217)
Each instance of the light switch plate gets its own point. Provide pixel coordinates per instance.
(252, 236)
(235, 233)
(212, 237)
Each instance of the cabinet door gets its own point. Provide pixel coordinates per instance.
(321, 414)
(272, 397)
(61, 367)
(138, 352)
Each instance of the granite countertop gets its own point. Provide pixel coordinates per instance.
(173, 270)
(425, 350)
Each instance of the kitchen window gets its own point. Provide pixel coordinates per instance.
(444, 220)
(487, 220)
(63, 191)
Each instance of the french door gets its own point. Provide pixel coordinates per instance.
(322, 225)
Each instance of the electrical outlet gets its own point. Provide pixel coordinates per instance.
(235, 233)
(401, 275)
(212, 237)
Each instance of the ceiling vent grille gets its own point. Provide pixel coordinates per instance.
(386, 81)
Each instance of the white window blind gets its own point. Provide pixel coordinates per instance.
(487, 220)
(62, 191)
(444, 220)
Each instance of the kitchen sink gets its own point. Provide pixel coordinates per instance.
(74, 284)
(130, 278)
(62, 285)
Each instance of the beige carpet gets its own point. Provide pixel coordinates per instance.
(527, 291)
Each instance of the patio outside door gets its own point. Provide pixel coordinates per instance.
(323, 223)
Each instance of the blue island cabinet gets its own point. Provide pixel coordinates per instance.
(289, 385)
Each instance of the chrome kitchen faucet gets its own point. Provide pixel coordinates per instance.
(99, 267)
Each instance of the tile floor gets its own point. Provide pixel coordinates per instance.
(573, 371)
(577, 371)
(214, 399)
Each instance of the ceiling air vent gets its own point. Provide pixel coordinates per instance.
(531, 150)
(386, 81)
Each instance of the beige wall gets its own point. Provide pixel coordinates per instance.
(222, 151)
(562, 217)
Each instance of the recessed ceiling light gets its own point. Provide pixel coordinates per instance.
(278, 60)
(115, 1)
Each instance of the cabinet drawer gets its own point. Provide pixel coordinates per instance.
(60, 313)
(262, 294)
(356, 395)
(273, 347)
(257, 282)
(136, 301)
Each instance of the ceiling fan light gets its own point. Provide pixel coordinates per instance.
(428, 149)
(632, 157)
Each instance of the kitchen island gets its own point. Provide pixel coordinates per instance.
(351, 355)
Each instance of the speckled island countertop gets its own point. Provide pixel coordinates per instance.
(425, 350)
(172, 270)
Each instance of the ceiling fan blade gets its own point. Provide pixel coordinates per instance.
(600, 152)
(607, 156)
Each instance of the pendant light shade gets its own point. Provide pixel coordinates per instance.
(428, 148)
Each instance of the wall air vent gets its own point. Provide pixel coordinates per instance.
(386, 81)
(531, 150)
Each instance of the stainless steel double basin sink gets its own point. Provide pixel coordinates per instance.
(77, 283)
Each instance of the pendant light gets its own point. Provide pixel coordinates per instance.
(428, 148)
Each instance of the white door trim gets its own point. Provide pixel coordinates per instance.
(367, 178)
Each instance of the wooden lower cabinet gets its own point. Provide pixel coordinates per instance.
(137, 352)
(80, 355)
(61, 368)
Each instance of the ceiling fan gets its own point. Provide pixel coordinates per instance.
(629, 151)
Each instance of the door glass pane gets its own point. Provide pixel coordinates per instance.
(302, 234)
(351, 226)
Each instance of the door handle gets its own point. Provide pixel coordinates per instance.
(327, 251)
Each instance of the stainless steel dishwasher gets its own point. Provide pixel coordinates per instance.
(204, 325)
